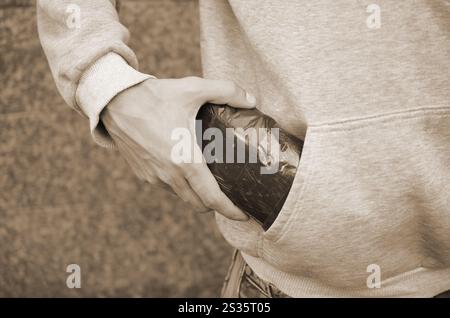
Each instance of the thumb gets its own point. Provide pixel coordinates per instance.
(227, 92)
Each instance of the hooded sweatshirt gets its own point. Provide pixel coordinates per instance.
(364, 83)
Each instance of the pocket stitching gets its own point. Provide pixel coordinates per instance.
(387, 118)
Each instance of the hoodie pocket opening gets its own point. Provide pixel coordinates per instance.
(290, 206)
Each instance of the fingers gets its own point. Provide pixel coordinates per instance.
(203, 183)
(133, 155)
(227, 92)
(175, 184)
(150, 159)
(181, 188)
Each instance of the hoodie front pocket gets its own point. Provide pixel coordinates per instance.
(375, 192)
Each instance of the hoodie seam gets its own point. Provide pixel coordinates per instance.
(367, 121)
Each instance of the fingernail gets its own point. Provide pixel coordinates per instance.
(242, 217)
(250, 98)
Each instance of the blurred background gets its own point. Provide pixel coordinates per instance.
(65, 200)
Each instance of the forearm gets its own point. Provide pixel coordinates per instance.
(71, 48)
(86, 47)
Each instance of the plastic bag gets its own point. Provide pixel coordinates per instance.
(248, 185)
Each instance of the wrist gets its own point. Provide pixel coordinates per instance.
(100, 83)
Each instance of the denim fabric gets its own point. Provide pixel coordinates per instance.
(242, 282)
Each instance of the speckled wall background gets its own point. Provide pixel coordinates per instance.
(64, 200)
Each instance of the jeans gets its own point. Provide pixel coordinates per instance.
(242, 282)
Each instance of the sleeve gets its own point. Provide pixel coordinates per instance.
(86, 48)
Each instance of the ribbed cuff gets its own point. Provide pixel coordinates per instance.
(103, 80)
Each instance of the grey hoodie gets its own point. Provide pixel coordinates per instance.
(366, 84)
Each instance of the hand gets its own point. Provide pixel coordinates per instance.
(141, 120)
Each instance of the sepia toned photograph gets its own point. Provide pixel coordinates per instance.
(225, 149)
